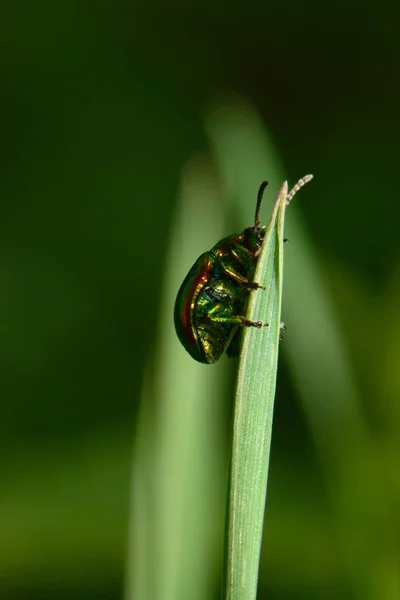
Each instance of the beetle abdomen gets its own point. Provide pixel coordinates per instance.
(213, 338)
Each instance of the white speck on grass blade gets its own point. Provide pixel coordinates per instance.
(252, 428)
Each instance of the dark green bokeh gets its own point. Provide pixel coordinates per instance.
(101, 108)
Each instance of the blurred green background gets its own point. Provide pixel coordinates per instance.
(104, 107)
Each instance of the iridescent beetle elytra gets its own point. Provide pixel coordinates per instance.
(211, 301)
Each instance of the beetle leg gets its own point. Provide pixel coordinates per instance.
(247, 323)
(244, 258)
(240, 253)
(237, 320)
(252, 285)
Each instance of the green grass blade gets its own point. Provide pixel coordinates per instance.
(317, 354)
(252, 429)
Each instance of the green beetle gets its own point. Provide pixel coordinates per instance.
(211, 301)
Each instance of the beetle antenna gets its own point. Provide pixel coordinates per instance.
(259, 198)
(296, 188)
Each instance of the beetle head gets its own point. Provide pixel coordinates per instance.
(253, 237)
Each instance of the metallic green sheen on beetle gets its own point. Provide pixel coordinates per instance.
(211, 301)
